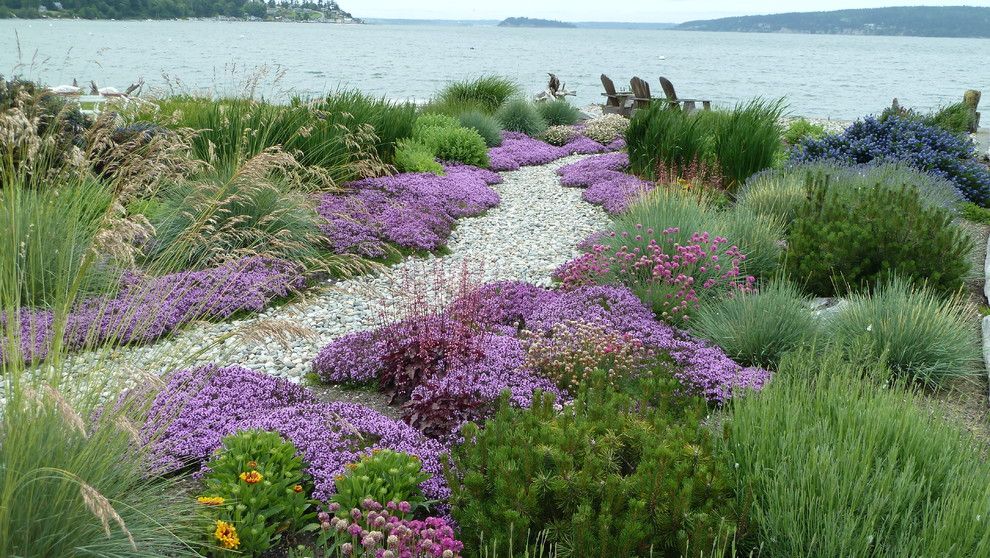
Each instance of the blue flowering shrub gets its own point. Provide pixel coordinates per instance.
(925, 147)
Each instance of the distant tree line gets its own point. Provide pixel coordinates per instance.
(922, 21)
(154, 9)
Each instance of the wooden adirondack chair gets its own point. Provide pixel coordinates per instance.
(616, 102)
(641, 93)
(687, 104)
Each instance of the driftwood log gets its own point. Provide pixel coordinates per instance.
(971, 99)
(555, 90)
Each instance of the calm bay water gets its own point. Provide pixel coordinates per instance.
(820, 75)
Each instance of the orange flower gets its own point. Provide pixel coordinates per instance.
(227, 535)
(210, 500)
(297, 488)
(252, 477)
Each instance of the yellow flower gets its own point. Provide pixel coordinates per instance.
(251, 477)
(227, 535)
(210, 500)
(297, 488)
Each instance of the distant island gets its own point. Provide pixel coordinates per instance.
(918, 21)
(532, 22)
(327, 11)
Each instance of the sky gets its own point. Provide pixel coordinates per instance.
(610, 10)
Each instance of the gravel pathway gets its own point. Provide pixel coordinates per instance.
(535, 229)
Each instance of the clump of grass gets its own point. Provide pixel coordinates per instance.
(520, 115)
(830, 460)
(488, 92)
(462, 145)
(757, 329)
(559, 113)
(486, 125)
(255, 210)
(916, 333)
(722, 147)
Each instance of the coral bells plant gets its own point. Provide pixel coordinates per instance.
(672, 278)
(374, 530)
(574, 349)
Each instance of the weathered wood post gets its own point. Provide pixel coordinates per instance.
(971, 99)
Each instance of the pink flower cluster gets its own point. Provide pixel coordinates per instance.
(672, 277)
(519, 150)
(385, 532)
(605, 181)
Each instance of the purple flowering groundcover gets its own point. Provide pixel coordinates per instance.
(147, 309)
(410, 210)
(605, 181)
(197, 408)
(466, 372)
(519, 150)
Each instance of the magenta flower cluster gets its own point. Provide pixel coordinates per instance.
(146, 309)
(197, 408)
(410, 210)
(519, 150)
(673, 277)
(386, 532)
(605, 181)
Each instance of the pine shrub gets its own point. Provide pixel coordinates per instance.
(612, 474)
(850, 240)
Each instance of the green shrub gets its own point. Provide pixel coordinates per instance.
(558, 135)
(722, 148)
(559, 113)
(415, 156)
(756, 236)
(801, 128)
(485, 125)
(848, 240)
(609, 475)
(489, 92)
(975, 213)
(384, 476)
(207, 221)
(757, 329)
(957, 118)
(913, 331)
(606, 128)
(390, 121)
(781, 192)
(255, 483)
(456, 144)
(425, 121)
(520, 115)
(833, 462)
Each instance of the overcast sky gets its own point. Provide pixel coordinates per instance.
(609, 10)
